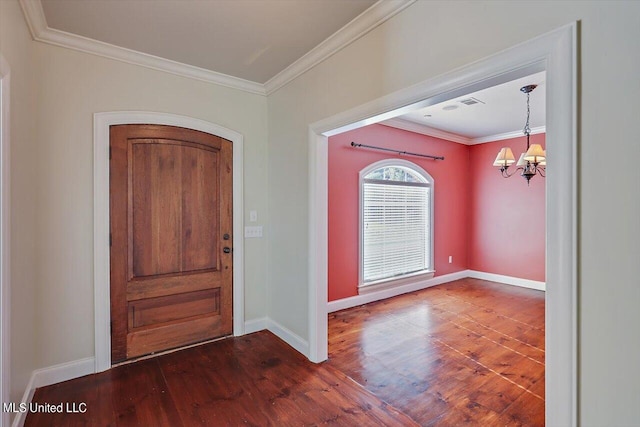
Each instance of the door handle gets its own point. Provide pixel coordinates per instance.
(226, 250)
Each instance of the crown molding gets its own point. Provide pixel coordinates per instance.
(449, 136)
(359, 26)
(426, 130)
(356, 28)
(506, 135)
(40, 31)
(34, 15)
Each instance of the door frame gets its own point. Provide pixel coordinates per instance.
(557, 53)
(101, 218)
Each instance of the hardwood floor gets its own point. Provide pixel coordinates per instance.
(467, 352)
(255, 380)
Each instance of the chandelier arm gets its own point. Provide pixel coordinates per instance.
(506, 174)
(542, 171)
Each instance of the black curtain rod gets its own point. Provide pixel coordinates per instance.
(353, 144)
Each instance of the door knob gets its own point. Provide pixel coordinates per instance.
(226, 249)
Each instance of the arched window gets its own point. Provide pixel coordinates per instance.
(396, 222)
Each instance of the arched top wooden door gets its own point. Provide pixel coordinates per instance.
(171, 235)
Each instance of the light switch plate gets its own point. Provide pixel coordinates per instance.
(253, 216)
(253, 232)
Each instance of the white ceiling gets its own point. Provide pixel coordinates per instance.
(501, 113)
(248, 39)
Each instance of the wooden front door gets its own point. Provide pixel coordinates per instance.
(171, 235)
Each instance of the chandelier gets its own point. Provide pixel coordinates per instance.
(533, 161)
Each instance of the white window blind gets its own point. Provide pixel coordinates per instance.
(396, 227)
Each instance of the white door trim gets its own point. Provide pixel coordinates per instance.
(101, 276)
(5, 231)
(556, 52)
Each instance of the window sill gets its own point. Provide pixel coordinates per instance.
(395, 282)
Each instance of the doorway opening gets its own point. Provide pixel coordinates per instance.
(432, 204)
(555, 53)
(396, 242)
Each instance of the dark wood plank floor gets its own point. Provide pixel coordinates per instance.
(466, 352)
(255, 380)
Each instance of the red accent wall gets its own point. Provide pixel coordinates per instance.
(507, 225)
(486, 222)
(451, 202)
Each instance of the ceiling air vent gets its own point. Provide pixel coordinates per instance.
(471, 101)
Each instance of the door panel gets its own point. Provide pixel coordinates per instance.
(151, 340)
(152, 311)
(171, 282)
(151, 287)
(200, 190)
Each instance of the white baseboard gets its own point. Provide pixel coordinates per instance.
(255, 325)
(508, 280)
(21, 417)
(357, 300)
(52, 375)
(64, 371)
(392, 292)
(291, 338)
(288, 336)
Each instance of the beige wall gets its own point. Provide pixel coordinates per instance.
(71, 87)
(431, 38)
(17, 48)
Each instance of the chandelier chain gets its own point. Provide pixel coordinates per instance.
(527, 129)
